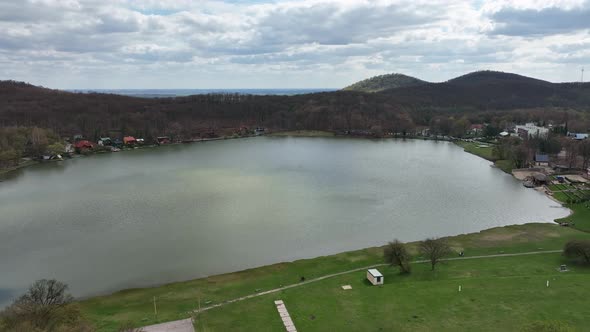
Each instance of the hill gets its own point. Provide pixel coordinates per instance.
(481, 97)
(487, 77)
(385, 82)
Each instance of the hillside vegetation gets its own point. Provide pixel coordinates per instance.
(385, 82)
(483, 97)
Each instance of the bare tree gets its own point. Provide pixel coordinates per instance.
(578, 249)
(584, 150)
(43, 304)
(434, 250)
(396, 254)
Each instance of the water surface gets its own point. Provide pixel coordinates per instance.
(151, 216)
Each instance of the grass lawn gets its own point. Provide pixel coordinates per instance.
(304, 133)
(486, 153)
(498, 294)
(581, 216)
(471, 147)
(177, 299)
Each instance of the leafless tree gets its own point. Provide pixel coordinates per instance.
(434, 250)
(396, 254)
(578, 249)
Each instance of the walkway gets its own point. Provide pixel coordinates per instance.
(287, 321)
(185, 325)
(362, 269)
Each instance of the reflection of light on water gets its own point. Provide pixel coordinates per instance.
(222, 206)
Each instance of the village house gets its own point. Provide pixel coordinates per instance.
(530, 130)
(163, 140)
(541, 160)
(578, 136)
(476, 129)
(129, 140)
(105, 141)
(83, 145)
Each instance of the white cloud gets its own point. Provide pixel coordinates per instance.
(307, 43)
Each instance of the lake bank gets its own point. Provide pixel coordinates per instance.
(176, 300)
(253, 202)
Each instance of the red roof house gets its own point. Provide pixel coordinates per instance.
(84, 144)
(129, 140)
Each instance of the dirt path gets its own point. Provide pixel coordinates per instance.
(362, 269)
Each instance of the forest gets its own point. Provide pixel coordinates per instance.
(446, 108)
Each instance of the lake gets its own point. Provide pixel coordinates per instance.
(151, 216)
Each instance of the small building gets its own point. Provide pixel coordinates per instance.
(83, 145)
(105, 141)
(163, 140)
(504, 134)
(476, 129)
(129, 140)
(531, 130)
(541, 160)
(375, 277)
(581, 137)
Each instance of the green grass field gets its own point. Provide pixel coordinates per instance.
(581, 216)
(498, 294)
(474, 148)
(486, 153)
(508, 288)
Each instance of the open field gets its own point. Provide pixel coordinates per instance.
(474, 148)
(580, 218)
(486, 153)
(177, 299)
(498, 294)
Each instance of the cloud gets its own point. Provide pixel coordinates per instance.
(547, 21)
(295, 43)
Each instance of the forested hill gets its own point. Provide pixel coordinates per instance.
(480, 97)
(385, 82)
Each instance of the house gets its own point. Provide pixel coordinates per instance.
(163, 140)
(375, 277)
(117, 143)
(83, 145)
(578, 136)
(260, 131)
(530, 130)
(105, 141)
(476, 129)
(129, 140)
(541, 160)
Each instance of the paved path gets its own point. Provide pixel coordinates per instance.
(362, 269)
(287, 321)
(185, 325)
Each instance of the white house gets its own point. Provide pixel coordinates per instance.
(531, 130)
(375, 277)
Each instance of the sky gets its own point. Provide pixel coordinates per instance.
(117, 44)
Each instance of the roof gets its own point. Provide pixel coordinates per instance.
(476, 126)
(542, 158)
(83, 144)
(504, 133)
(375, 273)
(540, 177)
(581, 136)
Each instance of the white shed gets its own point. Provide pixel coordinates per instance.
(375, 277)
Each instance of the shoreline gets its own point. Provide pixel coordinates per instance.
(5, 172)
(176, 299)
